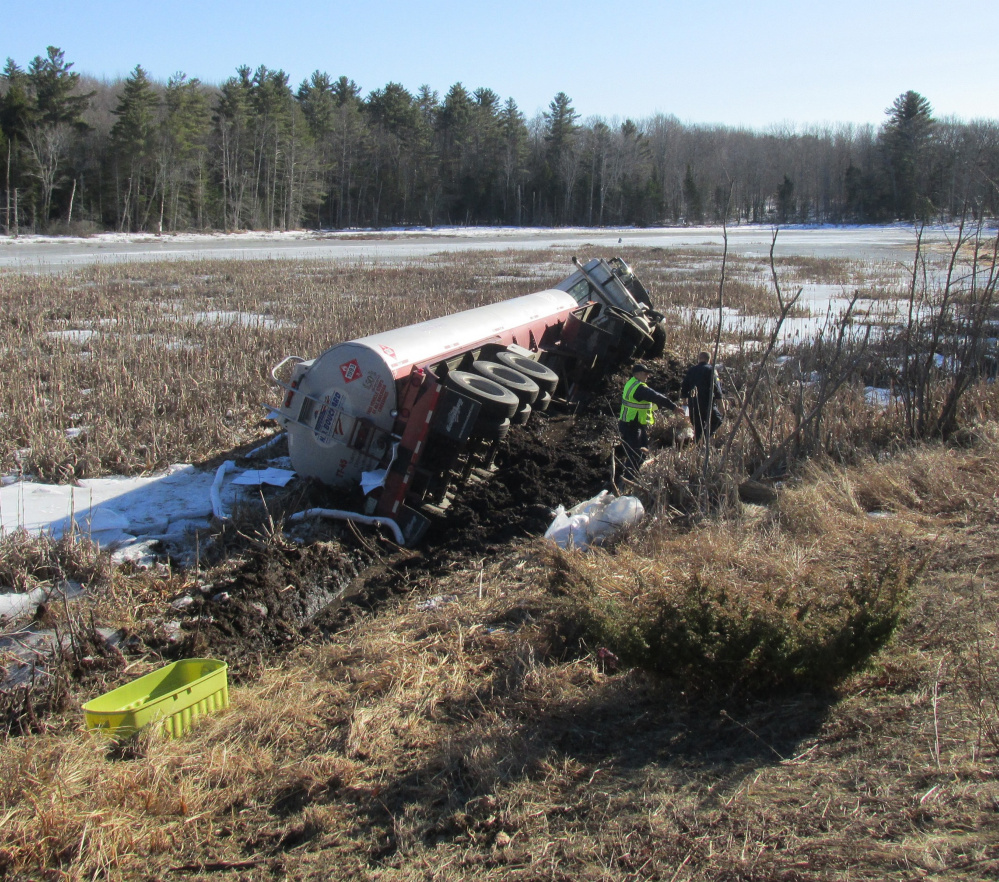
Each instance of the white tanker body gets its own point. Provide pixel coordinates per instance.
(347, 398)
(420, 408)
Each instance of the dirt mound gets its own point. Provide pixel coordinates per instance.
(559, 458)
(554, 460)
(263, 603)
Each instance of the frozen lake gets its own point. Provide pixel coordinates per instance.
(43, 254)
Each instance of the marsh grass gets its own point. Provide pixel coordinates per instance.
(28, 562)
(119, 369)
(477, 735)
(484, 735)
(123, 369)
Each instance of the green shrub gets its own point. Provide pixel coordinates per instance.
(713, 634)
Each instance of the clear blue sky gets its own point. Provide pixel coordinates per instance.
(716, 61)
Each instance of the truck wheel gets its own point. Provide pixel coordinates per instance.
(658, 346)
(543, 375)
(521, 416)
(521, 385)
(495, 400)
(492, 429)
(543, 402)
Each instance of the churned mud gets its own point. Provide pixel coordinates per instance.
(309, 582)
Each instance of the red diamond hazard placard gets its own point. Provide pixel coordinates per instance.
(351, 371)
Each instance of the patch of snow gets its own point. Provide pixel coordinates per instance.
(245, 319)
(119, 512)
(878, 397)
(23, 650)
(17, 604)
(73, 335)
(272, 476)
(56, 254)
(13, 606)
(141, 554)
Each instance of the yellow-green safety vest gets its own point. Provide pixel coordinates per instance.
(643, 411)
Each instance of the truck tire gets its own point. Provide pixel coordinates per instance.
(492, 429)
(522, 415)
(658, 346)
(543, 375)
(519, 383)
(496, 400)
(544, 402)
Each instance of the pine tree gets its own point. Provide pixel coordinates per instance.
(133, 144)
(906, 137)
(785, 200)
(692, 197)
(351, 136)
(277, 144)
(429, 184)
(315, 97)
(513, 135)
(15, 116)
(183, 151)
(235, 145)
(55, 121)
(454, 138)
(561, 155)
(396, 126)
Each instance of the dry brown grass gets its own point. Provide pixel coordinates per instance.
(128, 368)
(471, 737)
(123, 369)
(475, 737)
(803, 594)
(28, 562)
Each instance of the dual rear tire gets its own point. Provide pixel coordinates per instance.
(508, 390)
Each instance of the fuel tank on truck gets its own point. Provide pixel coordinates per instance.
(341, 407)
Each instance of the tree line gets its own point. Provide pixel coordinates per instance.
(254, 153)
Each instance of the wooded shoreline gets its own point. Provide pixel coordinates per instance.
(81, 156)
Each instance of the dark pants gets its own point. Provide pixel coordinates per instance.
(635, 437)
(701, 422)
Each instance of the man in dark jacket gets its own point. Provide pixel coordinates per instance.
(639, 402)
(703, 392)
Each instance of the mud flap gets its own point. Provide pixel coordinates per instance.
(412, 524)
(455, 416)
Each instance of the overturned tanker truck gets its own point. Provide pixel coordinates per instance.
(408, 416)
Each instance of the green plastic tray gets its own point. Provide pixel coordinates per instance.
(174, 696)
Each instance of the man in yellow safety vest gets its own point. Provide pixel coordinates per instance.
(639, 402)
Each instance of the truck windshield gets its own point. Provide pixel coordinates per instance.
(580, 292)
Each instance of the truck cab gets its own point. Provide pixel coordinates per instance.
(625, 300)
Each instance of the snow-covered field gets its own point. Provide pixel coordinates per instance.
(57, 254)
